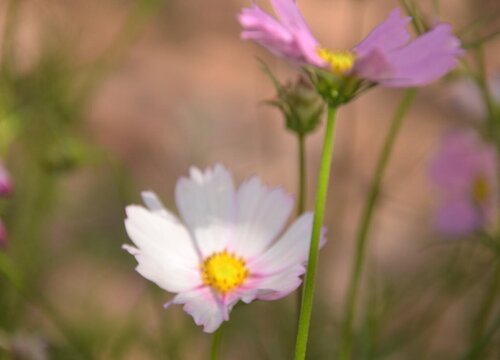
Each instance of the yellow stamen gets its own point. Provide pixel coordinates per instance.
(481, 189)
(340, 62)
(223, 271)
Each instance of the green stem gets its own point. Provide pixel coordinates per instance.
(214, 351)
(493, 121)
(366, 218)
(480, 346)
(301, 204)
(319, 212)
(487, 305)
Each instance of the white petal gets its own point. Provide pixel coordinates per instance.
(164, 251)
(290, 250)
(205, 307)
(273, 287)
(206, 203)
(260, 216)
(154, 204)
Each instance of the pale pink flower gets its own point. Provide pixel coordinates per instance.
(465, 171)
(227, 248)
(386, 56)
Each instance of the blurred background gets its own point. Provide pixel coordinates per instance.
(101, 99)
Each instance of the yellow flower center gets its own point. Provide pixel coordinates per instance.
(340, 61)
(481, 189)
(223, 271)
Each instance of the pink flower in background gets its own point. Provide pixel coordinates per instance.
(465, 171)
(228, 247)
(386, 56)
(5, 181)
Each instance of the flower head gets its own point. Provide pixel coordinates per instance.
(227, 248)
(385, 56)
(465, 170)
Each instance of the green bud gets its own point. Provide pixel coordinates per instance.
(300, 105)
(335, 89)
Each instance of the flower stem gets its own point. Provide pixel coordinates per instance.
(214, 352)
(478, 349)
(301, 203)
(319, 212)
(364, 227)
(487, 305)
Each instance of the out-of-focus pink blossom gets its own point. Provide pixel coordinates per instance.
(465, 171)
(386, 56)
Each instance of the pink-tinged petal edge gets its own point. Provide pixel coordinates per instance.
(426, 59)
(390, 35)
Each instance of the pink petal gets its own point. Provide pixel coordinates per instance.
(426, 59)
(389, 35)
(458, 217)
(374, 66)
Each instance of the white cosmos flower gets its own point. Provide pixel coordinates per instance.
(228, 247)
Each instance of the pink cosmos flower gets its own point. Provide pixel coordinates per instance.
(386, 56)
(465, 170)
(227, 248)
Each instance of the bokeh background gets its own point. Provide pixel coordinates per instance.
(100, 99)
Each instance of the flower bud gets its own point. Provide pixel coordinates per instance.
(300, 105)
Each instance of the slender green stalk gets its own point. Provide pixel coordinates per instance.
(319, 212)
(214, 351)
(301, 204)
(478, 349)
(487, 305)
(366, 218)
(493, 120)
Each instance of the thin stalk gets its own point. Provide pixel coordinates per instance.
(319, 212)
(493, 121)
(216, 338)
(301, 203)
(487, 305)
(477, 350)
(366, 219)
